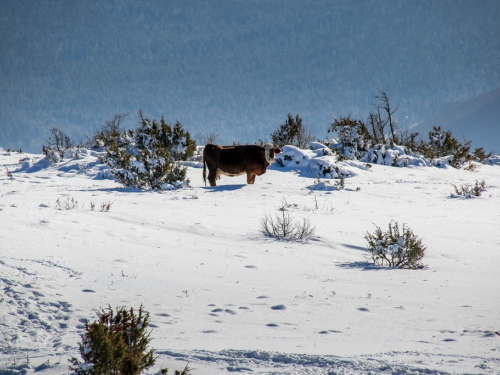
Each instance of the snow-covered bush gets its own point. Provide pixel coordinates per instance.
(381, 141)
(148, 157)
(395, 248)
(395, 155)
(106, 135)
(60, 146)
(55, 156)
(182, 146)
(353, 137)
(443, 149)
(319, 160)
(51, 154)
(326, 185)
(492, 160)
(57, 143)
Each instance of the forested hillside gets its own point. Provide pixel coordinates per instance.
(236, 67)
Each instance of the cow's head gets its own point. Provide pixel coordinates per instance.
(270, 152)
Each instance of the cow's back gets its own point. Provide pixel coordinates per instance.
(243, 157)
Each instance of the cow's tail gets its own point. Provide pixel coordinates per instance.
(204, 168)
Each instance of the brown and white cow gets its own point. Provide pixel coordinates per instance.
(236, 160)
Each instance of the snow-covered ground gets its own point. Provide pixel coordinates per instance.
(224, 297)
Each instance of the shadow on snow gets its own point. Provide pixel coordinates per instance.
(214, 189)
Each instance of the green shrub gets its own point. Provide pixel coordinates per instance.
(149, 156)
(117, 343)
(442, 144)
(107, 134)
(353, 136)
(397, 247)
(357, 136)
(292, 132)
(480, 154)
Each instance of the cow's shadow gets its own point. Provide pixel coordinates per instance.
(214, 189)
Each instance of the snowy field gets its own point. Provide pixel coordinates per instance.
(224, 297)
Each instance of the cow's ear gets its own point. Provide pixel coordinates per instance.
(277, 150)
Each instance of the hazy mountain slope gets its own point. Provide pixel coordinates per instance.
(476, 120)
(236, 68)
(228, 299)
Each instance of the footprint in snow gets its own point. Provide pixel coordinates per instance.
(329, 331)
(209, 331)
(218, 310)
(164, 315)
(278, 307)
(490, 334)
(238, 369)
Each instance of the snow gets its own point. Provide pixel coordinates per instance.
(226, 298)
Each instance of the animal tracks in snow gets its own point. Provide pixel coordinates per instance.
(268, 362)
(262, 309)
(32, 319)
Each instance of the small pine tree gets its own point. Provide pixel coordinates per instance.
(117, 343)
(147, 157)
(287, 132)
(354, 137)
(444, 144)
(183, 147)
(395, 248)
(480, 154)
(292, 132)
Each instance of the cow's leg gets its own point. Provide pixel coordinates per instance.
(212, 175)
(250, 177)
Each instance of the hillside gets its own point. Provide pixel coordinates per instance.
(226, 298)
(476, 120)
(236, 67)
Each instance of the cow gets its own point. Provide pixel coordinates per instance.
(236, 160)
